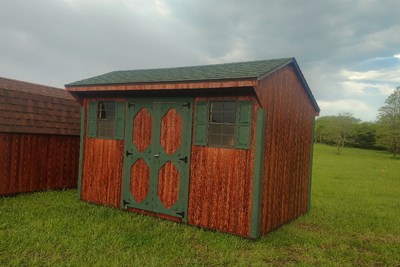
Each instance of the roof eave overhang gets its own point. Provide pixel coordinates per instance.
(204, 84)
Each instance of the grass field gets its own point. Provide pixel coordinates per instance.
(354, 221)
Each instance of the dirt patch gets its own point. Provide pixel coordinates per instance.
(384, 239)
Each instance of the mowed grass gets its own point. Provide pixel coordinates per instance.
(354, 221)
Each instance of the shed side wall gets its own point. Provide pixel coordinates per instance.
(34, 162)
(221, 183)
(287, 148)
(102, 168)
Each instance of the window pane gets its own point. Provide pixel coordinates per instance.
(110, 114)
(110, 105)
(105, 129)
(228, 130)
(216, 106)
(229, 117)
(230, 107)
(214, 140)
(215, 129)
(216, 117)
(227, 140)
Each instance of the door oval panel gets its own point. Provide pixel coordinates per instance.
(171, 131)
(140, 180)
(168, 184)
(142, 130)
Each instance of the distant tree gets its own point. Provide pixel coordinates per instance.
(342, 129)
(365, 135)
(388, 134)
(321, 129)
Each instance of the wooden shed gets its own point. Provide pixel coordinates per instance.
(39, 137)
(226, 147)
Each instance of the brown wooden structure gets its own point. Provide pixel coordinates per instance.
(226, 147)
(39, 138)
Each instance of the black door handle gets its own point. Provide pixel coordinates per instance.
(184, 159)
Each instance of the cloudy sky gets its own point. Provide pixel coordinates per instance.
(348, 50)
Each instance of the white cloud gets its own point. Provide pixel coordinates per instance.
(391, 75)
(360, 89)
(398, 56)
(362, 110)
(238, 52)
(344, 105)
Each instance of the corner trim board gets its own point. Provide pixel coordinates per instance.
(257, 174)
(82, 138)
(311, 164)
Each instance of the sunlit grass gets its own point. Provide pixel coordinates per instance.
(354, 220)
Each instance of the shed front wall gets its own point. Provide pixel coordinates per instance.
(102, 167)
(221, 182)
(220, 179)
(287, 148)
(34, 162)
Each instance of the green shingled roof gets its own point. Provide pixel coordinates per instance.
(238, 70)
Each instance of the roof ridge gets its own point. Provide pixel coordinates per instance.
(207, 65)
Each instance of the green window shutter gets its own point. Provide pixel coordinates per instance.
(91, 123)
(243, 131)
(200, 124)
(119, 120)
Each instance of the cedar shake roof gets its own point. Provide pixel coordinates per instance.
(37, 109)
(238, 70)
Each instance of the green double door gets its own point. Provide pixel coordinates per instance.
(157, 155)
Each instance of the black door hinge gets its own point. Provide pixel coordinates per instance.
(130, 105)
(182, 214)
(125, 202)
(128, 153)
(187, 105)
(184, 159)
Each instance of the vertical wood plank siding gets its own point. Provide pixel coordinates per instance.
(102, 168)
(221, 184)
(34, 162)
(286, 150)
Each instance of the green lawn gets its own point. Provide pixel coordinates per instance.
(354, 220)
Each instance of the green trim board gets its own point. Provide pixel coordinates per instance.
(243, 131)
(311, 165)
(257, 173)
(119, 120)
(92, 120)
(81, 147)
(200, 123)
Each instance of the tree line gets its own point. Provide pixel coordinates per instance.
(346, 130)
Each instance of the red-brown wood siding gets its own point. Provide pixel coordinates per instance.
(34, 162)
(102, 168)
(287, 148)
(221, 182)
